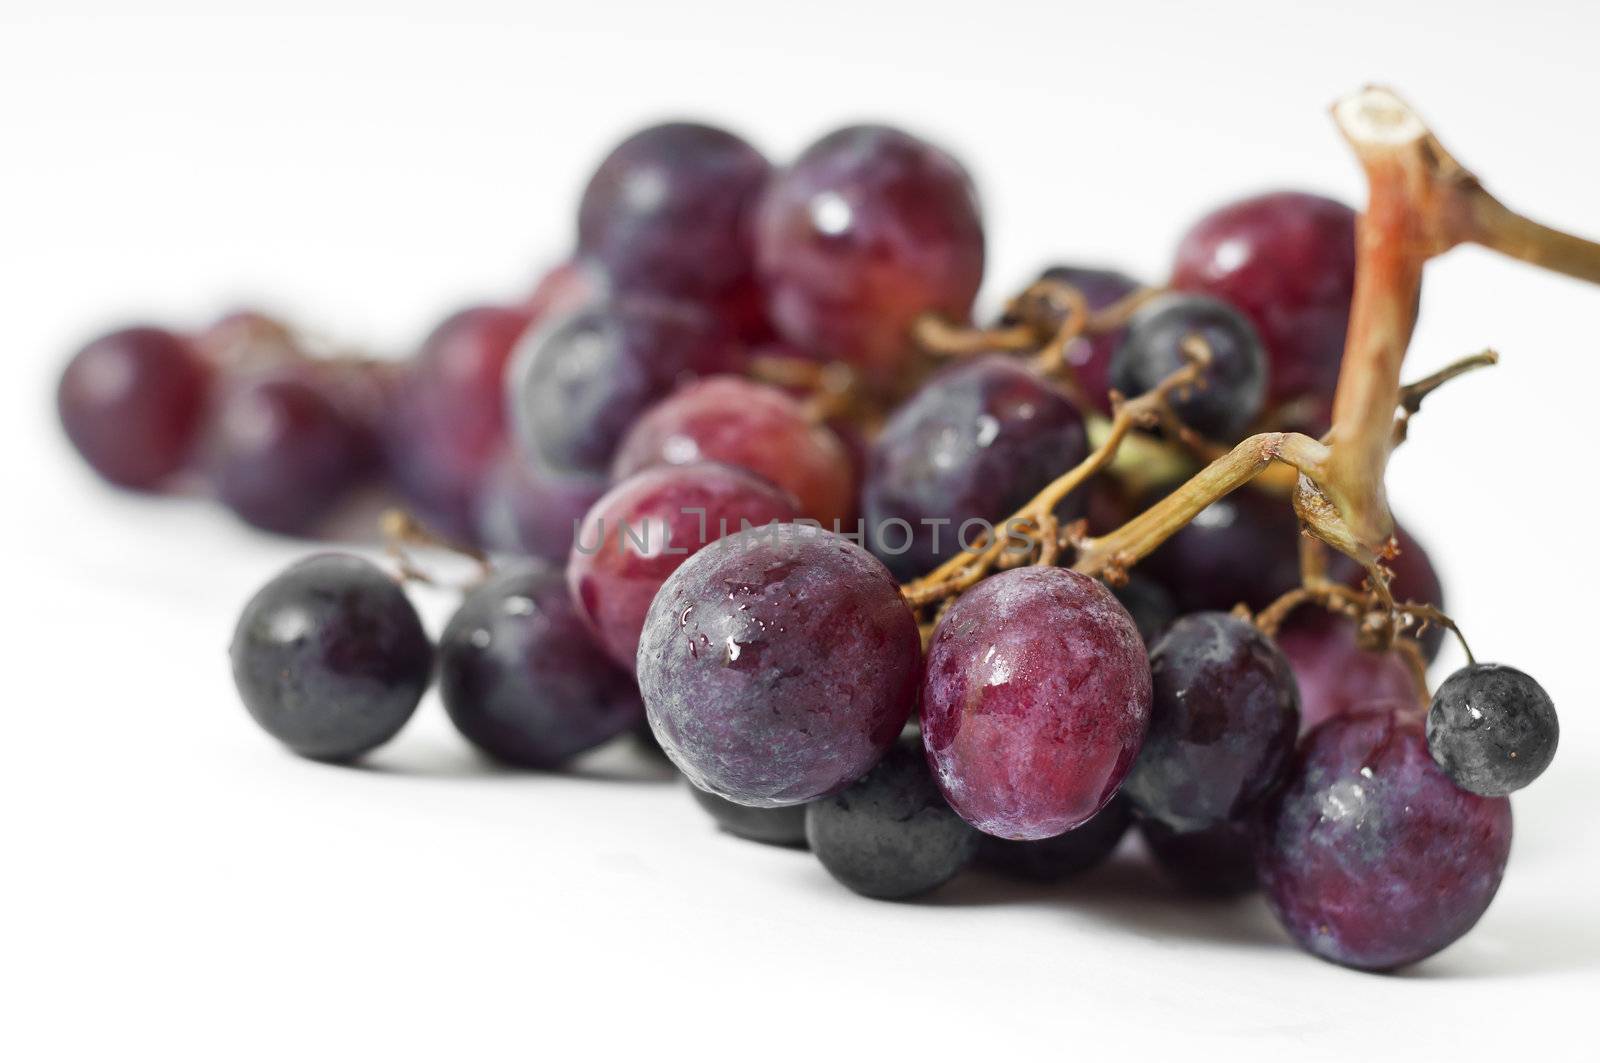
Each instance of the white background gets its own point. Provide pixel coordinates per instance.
(174, 882)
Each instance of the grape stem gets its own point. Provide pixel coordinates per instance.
(401, 531)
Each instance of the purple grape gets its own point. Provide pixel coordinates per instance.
(330, 657)
(890, 835)
(1090, 355)
(1335, 675)
(1065, 855)
(1223, 722)
(581, 383)
(1149, 604)
(1288, 261)
(669, 210)
(974, 444)
(523, 509)
(132, 403)
(1492, 729)
(1372, 857)
(1235, 380)
(778, 665)
(645, 527)
(1241, 548)
(1035, 700)
(283, 453)
(869, 229)
(523, 680)
(752, 426)
(1415, 580)
(1218, 861)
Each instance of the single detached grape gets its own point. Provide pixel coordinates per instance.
(523, 509)
(1151, 607)
(283, 452)
(769, 826)
(777, 665)
(752, 426)
(644, 528)
(1229, 399)
(973, 445)
(669, 210)
(581, 383)
(869, 229)
(1065, 855)
(1035, 700)
(330, 657)
(1224, 718)
(132, 402)
(1218, 861)
(1335, 675)
(1241, 548)
(1089, 356)
(448, 425)
(1492, 729)
(523, 680)
(890, 835)
(1288, 261)
(1373, 857)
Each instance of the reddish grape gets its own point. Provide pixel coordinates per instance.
(1372, 857)
(1065, 855)
(1223, 722)
(1288, 261)
(248, 339)
(564, 289)
(645, 527)
(523, 509)
(449, 418)
(132, 402)
(522, 679)
(1090, 355)
(754, 427)
(283, 453)
(868, 229)
(1035, 701)
(669, 210)
(1218, 861)
(1335, 674)
(974, 444)
(579, 385)
(778, 665)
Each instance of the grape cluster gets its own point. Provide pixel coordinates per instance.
(703, 529)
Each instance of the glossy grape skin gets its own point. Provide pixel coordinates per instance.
(645, 527)
(132, 403)
(525, 510)
(1035, 701)
(1223, 722)
(1372, 857)
(1151, 607)
(1235, 379)
(1244, 547)
(1089, 356)
(283, 452)
(448, 424)
(890, 835)
(753, 427)
(523, 680)
(579, 385)
(784, 826)
(1218, 861)
(975, 443)
(1065, 855)
(1492, 728)
(1335, 675)
(778, 666)
(869, 229)
(1287, 261)
(669, 210)
(330, 657)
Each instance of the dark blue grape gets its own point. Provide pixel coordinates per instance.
(1235, 381)
(1218, 861)
(770, 826)
(330, 657)
(1492, 729)
(523, 680)
(973, 444)
(891, 835)
(1065, 855)
(1151, 607)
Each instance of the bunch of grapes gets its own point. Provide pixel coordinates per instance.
(757, 478)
